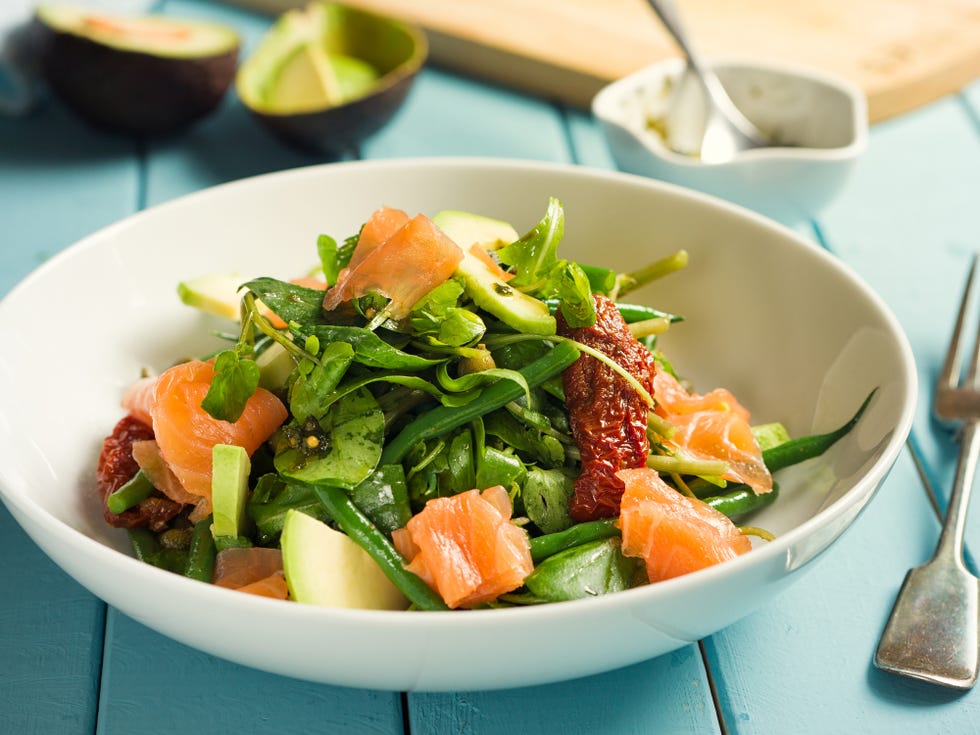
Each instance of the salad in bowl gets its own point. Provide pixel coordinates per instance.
(442, 414)
(374, 421)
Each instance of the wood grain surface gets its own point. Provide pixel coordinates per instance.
(903, 53)
(907, 224)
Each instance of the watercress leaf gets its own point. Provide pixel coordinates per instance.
(435, 304)
(235, 380)
(573, 289)
(383, 498)
(546, 493)
(496, 467)
(289, 302)
(439, 316)
(545, 449)
(309, 394)
(269, 513)
(461, 463)
(470, 381)
(588, 570)
(409, 381)
(461, 327)
(369, 348)
(518, 354)
(343, 449)
(534, 255)
(326, 248)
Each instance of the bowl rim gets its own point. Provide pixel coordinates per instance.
(605, 107)
(862, 491)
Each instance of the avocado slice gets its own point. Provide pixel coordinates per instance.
(230, 468)
(466, 228)
(327, 76)
(303, 72)
(214, 293)
(327, 568)
(275, 366)
(488, 291)
(143, 75)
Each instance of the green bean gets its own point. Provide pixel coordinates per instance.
(807, 447)
(358, 527)
(658, 269)
(443, 419)
(637, 313)
(173, 560)
(146, 548)
(200, 560)
(131, 494)
(144, 543)
(742, 500)
(551, 543)
(630, 312)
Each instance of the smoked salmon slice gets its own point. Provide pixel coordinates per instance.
(185, 433)
(412, 261)
(466, 547)
(254, 570)
(672, 533)
(713, 426)
(382, 224)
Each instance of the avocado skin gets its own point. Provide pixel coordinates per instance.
(397, 50)
(132, 92)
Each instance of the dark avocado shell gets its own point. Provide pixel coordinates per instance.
(397, 50)
(120, 83)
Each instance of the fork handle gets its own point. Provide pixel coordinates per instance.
(951, 541)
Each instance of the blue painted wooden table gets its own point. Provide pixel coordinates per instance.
(908, 223)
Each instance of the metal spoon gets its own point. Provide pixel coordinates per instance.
(727, 130)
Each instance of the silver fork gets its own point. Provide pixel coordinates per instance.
(932, 631)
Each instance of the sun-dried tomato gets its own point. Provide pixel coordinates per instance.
(608, 416)
(116, 467)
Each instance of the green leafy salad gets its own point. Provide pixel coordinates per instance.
(443, 414)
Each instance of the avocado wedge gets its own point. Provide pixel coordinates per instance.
(327, 76)
(140, 75)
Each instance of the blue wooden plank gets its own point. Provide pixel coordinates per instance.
(59, 181)
(449, 115)
(668, 695)
(908, 225)
(588, 144)
(903, 223)
(153, 685)
(227, 145)
(803, 665)
(481, 120)
(140, 664)
(50, 641)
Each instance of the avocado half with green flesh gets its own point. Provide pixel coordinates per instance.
(327, 76)
(142, 75)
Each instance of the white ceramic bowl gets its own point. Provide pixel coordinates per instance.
(820, 118)
(790, 329)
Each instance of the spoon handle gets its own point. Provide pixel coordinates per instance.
(667, 12)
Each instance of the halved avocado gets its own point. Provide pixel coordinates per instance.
(327, 76)
(136, 74)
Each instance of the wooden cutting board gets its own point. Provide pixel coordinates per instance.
(903, 53)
